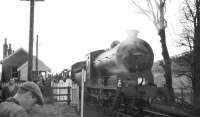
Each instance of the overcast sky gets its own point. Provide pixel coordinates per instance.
(69, 29)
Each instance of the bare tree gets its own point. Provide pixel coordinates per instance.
(185, 41)
(187, 35)
(155, 11)
(192, 17)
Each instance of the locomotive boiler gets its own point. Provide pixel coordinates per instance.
(130, 59)
(132, 56)
(120, 78)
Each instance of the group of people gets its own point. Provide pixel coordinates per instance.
(17, 102)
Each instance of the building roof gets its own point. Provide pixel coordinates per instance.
(41, 65)
(12, 58)
(13, 54)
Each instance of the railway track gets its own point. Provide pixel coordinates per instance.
(144, 113)
(120, 114)
(148, 113)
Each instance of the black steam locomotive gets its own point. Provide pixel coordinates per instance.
(120, 79)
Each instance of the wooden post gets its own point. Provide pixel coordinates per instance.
(68, 95)
(30, 52)
(191, 93)
(82, 90)
(31, 32)
(36, 61)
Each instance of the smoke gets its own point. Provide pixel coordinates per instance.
(131, 34)
(131, 39)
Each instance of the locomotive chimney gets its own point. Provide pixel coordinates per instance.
(9, 50)
(132, 34)
(5, 48)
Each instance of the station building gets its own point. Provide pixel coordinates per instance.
(15, 65)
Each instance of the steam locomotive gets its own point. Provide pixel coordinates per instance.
(120, 79)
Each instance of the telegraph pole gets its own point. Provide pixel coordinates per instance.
(31, 32)
(36, 62)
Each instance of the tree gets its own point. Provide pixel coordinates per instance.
(155, 11)
(181, 66)
(185, 41)
(192, 32)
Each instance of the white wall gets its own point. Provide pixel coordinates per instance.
(23, 74)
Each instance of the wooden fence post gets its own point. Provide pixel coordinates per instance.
(82, 90)
(182, 98)
(68, 95)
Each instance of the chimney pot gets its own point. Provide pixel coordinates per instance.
(9, 50)
(9, 46)
(5, 40)
(5, 48)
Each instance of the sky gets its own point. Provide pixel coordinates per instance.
(69, 29)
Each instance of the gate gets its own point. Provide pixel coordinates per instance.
(66, 92)
(75, 96)
(61, 91)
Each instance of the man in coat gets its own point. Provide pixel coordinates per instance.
(26, 97)
(10, 90)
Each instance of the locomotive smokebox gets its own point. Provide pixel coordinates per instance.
(135, 54)
(130, 56)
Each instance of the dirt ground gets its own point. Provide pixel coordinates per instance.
(53, 110)
(91, 110)
(64, 110)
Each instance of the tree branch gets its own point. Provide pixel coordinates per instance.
(187, 17)
(191, 12)
(187, 74)
(143, 11)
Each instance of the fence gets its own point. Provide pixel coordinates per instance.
(75, 95)
(184, 95)
(61, 91)
(4, 84)
(66, 92)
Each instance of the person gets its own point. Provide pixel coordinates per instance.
(0, 94)
(40, 83)
(10, 90)
(28, 95)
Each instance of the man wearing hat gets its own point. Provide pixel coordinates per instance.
(10, 90)
(26, 97)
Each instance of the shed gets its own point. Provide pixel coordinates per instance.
(43, 70)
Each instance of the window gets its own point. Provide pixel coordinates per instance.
(15, 73)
